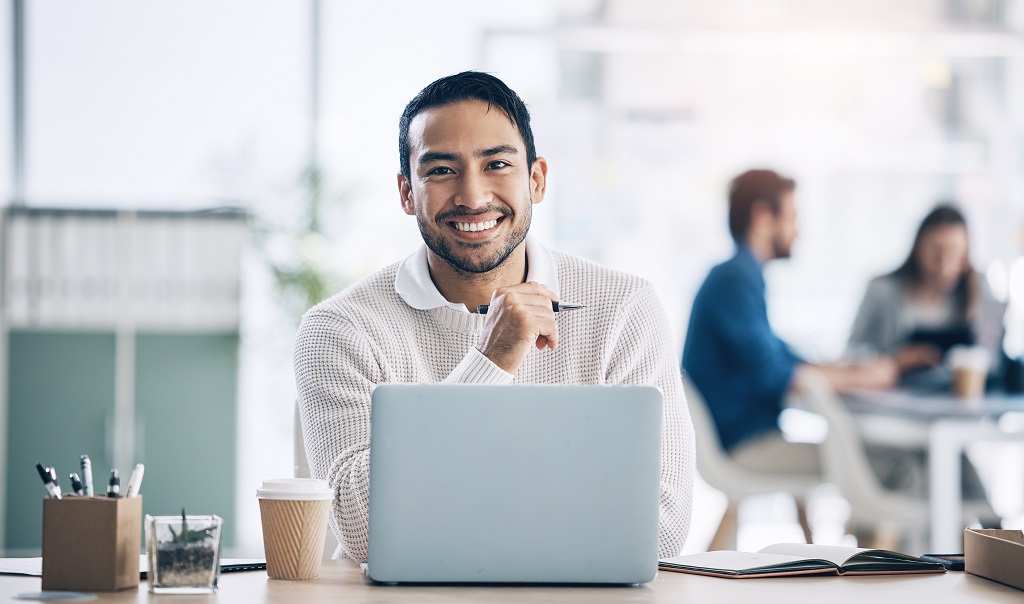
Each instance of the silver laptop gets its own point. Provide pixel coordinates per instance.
(514, 484)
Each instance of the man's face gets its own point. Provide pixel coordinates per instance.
(785, 226)
(470, 187)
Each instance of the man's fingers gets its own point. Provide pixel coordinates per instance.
(519, 318)
(526, 299)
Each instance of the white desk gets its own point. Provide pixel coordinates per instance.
(342, 582)
(945, 426)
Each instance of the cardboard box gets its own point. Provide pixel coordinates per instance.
(995, 554)
(91, 543)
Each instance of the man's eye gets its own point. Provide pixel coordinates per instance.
(497, 165)
(440, 170)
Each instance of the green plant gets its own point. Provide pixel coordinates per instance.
(296, 244)
(189, 535)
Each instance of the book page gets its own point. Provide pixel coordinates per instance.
(731, 560)
(33, 567)
(836, 554)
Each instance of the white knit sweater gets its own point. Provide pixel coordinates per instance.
(367, 335)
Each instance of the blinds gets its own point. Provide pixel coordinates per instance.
(99, 269)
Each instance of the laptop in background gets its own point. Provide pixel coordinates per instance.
(514, 484)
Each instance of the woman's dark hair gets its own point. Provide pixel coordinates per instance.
(966, 291)
(465, 86)
(747, 189)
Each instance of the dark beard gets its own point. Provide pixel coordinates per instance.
(441, 248)
(780, 251)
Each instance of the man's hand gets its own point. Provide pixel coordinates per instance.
(518, 318)
(879, 373)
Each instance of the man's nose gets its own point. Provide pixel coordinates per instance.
(473, 191)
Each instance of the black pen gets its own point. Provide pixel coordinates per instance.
(76, 484)
(114, 486)
(48, 476)
(555, 306)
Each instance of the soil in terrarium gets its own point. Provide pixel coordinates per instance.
(189, 565)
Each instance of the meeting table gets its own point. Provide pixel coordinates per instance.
(945, 426)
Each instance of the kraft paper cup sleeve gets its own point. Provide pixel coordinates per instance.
(294, 516)
(293, 535)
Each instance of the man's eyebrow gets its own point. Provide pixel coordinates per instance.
(511, 150)
(432, 156)
(435, 156)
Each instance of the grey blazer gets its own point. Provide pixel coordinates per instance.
(878, 330)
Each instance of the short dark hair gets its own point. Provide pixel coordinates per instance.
(747, 189)
(468, 85)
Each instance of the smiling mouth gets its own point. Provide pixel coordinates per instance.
(474, 227)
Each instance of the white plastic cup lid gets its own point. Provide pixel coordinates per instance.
(295, 488)
(968, 357)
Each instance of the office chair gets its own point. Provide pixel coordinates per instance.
(721, 471)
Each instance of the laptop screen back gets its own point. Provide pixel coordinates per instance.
(539, 484)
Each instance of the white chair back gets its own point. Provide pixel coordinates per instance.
(719, 469)
(846, 463)
(299, 448)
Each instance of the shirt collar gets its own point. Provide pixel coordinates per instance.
(749, 262)
(744, 250)
(417, 289)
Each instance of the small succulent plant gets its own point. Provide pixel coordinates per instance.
(189, 535)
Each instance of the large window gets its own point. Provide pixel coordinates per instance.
(168, 103)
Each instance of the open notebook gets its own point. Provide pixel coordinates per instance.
(787, 559)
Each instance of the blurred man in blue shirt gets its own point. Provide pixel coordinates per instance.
(732, 355)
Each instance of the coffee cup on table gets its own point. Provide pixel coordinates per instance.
(294, 516)
(969, 366)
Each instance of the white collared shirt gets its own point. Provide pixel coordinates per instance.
(414, 285)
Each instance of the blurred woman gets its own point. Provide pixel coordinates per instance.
(933, 301)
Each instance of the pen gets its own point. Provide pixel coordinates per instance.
(114, 486)
(86, 475)
(134, 481)
(49, 481)
(555, 306)
(76, 484)
(53, 479)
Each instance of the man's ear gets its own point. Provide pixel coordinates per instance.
(405, 193)
(760, 213)
(538, 180)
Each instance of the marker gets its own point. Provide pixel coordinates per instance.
(87, 475)
(53, 477)
(135, 481)
(76, 484)
(49, 481)
(555, 306)
(114, 485)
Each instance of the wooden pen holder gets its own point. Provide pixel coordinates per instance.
(91, 543)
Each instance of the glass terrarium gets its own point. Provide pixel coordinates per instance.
(184, 553)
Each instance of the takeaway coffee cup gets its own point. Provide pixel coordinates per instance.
(294, 515)
(969, 365)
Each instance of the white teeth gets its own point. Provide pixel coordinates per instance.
(473, 227)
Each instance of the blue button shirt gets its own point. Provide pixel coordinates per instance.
(731, 354)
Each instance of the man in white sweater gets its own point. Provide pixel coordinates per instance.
(470, 175)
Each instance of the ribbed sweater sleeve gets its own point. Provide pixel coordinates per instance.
(642, 352)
